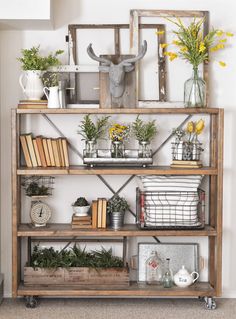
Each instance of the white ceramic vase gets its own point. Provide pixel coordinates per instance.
(52, 94)
(31, 84)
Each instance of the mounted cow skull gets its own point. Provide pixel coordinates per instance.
(117, 71)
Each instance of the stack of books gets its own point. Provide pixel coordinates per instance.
(81, 222)
(33, 104)
(44, 152)
(99, 213)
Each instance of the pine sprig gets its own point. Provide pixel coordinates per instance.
(144, 132)
(93, 131)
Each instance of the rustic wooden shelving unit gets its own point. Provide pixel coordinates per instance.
(213, 231)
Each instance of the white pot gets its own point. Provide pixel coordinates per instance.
(31, 84)
(81, 210)
(52, 94)
(184, 279)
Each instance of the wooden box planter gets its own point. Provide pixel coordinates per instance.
(76, 276)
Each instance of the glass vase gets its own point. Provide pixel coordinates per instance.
(144, 150)
(195, 91)
(117, 149)
(167, 279)
(90, 149)
(153, 269)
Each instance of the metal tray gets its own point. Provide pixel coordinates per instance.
(186, 254)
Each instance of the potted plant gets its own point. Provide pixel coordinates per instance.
(91, 132)
(51, 89)
(118, 134)
(144, 132)
(34, 65)
(75, 266)
(81, 207)
(116, 208)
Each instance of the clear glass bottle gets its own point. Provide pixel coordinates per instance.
(195, 91)
(117, 149)
(167, 279)
(153, 269)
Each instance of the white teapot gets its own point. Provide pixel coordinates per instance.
(184, 279)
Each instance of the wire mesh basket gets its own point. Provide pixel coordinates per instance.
(186, 151)
(38, 186)
(170, 209)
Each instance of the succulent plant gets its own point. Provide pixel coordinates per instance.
(117, 204)
(81, 201)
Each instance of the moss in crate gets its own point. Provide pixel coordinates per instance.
(73, 257)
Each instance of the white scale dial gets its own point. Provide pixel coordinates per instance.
(40, 213)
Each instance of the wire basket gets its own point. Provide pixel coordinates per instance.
(186, 151)
(170, 209)
(38, 186)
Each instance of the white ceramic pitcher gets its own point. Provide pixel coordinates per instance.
(52, 94)
(33, 87)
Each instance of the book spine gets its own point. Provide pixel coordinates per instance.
(30, 145)
(25, 151)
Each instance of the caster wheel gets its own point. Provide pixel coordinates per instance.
(31, 302)
(200, 298)
(210, 303)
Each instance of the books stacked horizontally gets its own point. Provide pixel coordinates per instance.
(44, 152)
(33, 104)
(81, 221)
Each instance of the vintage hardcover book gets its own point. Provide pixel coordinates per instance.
(94, 213)
(81, 226)
(50, 151)
(32, 104)
(185, 166)
(39, 141)
(179, 162)
(99, 213)
(37, 152)
(55, 152)
(65, 151)
(81, 218)
(46, 152)
(25, 151)
(104, 213)
(30, 145)
(61, 152)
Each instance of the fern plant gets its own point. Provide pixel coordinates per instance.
(144, 132)
(91, 131)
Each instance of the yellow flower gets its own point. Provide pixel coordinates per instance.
(163, 45)
(190, 127)
(220, 46)
(223, 64)
(184, 49)
(160, 32)
(214, 49)
(223, 40)
(229, 34)
(176, 42)
(219, 33)
(173, 56)
(202, 47)
(199, 127)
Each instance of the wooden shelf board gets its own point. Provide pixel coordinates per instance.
(84, 170)
(174, 110)
(135, 290)
(130, 230)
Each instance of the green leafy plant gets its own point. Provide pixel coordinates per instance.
(81, 201)
(74, 257)
(117, 204)
(32, 60)
(93, 131)
(33, 189)
(50, 79)
(144, 132)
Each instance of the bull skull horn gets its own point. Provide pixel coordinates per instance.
(139, 56)
(95, 57)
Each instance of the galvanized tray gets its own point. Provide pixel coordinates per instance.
(186, 254)
(130, 158)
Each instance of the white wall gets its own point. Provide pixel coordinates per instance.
(223, 94)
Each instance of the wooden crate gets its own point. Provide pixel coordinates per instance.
(76, 276)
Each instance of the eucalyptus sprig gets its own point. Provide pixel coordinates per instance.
(32, 60)
(144, 132)
(93, 131)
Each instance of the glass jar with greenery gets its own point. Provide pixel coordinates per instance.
(118, 134)
(116, 208)
(91, 132)
(144, 132)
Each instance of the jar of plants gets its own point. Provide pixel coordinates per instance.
(34, 65)
(118, 134)
(116, 208)
(194, 46)
(91, 132)
(144, 133)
